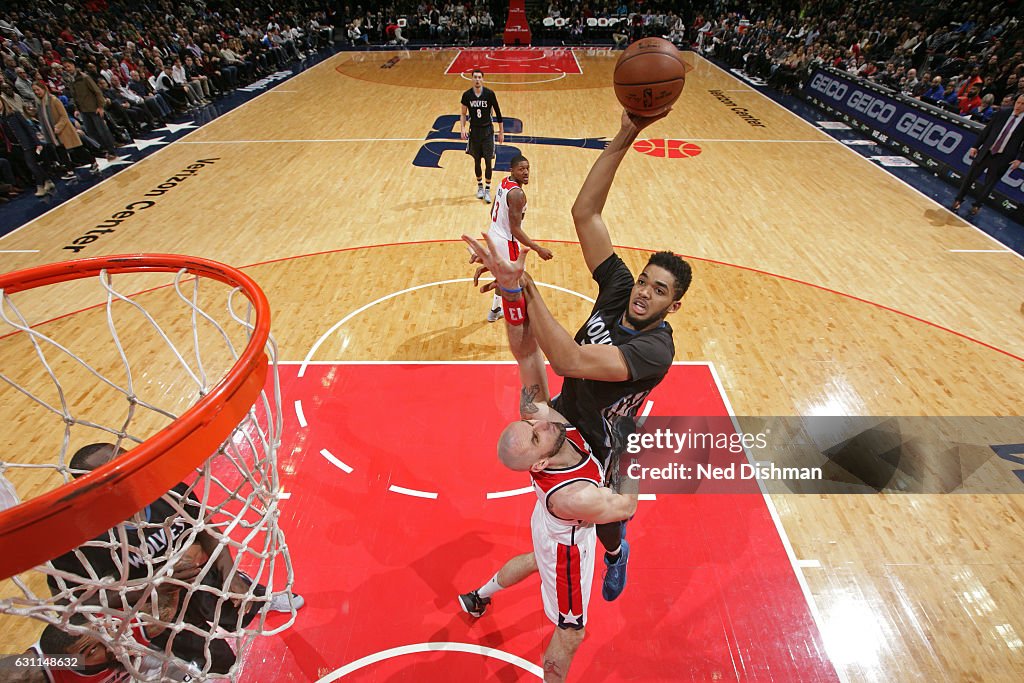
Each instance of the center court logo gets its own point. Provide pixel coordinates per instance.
(444, 137)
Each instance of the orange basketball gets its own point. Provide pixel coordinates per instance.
(649, 76)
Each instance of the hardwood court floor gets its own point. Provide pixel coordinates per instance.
(822, 286)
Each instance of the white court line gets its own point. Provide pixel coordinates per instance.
(301, 141)
(434, 362)
(469, 648)
(341, 140)
(809, 564)
(502, 59)
(19, 251)
(510, 493)
(579, 68)
(981, 251)
(299, 414)
(448, 71)
(412, 492)
(337, 325)
(865, 159)
(333, 459)
(643, 415)
(560, 76)
(774, 513)
(792, 142)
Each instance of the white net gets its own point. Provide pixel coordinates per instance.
(183, 586)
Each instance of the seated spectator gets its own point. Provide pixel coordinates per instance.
(175, 92)
(153, 99)
(935, 93)
(357, 37)
(970, 101)
(909, 83)
(949, 100)
(983, 112)
(922, 86)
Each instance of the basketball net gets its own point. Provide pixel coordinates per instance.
(181, 587)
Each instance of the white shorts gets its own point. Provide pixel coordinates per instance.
(566, 570)
(500, 238)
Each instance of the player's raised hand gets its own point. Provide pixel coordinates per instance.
(505, 272)
(641, 122)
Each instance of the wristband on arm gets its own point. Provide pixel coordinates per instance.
(515, 311)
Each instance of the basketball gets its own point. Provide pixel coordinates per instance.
(649, 76)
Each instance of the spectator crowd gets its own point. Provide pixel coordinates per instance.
(81, 79)
(967, 58)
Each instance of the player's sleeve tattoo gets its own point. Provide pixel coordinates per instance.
(527, 402)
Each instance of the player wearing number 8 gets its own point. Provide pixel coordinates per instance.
(477, 104)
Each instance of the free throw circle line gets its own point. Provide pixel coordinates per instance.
(337, 325)
(415, 648)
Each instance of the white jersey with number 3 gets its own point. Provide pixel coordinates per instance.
(501, 228)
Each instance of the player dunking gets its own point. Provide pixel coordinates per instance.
(507, 220)
(623, 350)
(477, 104)
(571, 499)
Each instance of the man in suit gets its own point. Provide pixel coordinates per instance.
(999, 147)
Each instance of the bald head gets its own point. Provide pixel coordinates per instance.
(513, 447)
(530, 444)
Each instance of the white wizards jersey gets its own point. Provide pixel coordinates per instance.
(500, 227)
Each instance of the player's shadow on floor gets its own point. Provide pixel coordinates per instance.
(483, 631)
(940, 217)
(438, 568)
(452, 341)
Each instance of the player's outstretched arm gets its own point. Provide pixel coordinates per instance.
(506, 273)
(534, 396)
(603, 362)
(516, 202)
(598, 505)
(586, 211)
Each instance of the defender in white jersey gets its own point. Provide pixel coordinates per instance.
(571, 499)
(507, 214)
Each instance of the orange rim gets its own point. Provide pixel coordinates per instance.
(57, 521)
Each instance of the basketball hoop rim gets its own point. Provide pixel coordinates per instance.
(61, 519)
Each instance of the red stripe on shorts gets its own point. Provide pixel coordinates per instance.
(567, 580)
